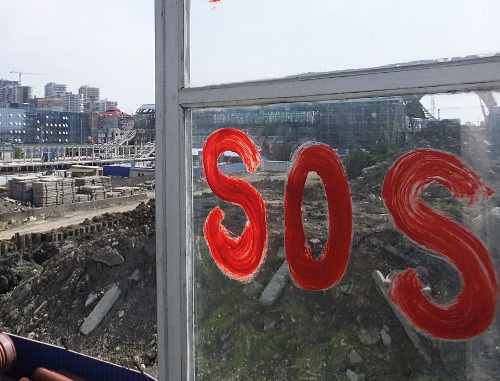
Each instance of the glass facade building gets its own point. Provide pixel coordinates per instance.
(29, 126)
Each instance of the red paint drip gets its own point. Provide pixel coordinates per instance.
(237, 257)
(326, 271)
(472, 311)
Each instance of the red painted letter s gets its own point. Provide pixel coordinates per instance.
(472, 311)
(237, 257)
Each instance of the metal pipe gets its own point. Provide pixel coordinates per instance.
(42, 374)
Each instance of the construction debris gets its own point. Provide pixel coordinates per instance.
(58, 288)
(382, 284)
(100, 310)
(275, 288)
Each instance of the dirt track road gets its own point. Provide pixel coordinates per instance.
(76, 217)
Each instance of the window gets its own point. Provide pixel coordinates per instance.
(212, 326)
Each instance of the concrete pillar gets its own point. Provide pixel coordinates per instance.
(19, 241)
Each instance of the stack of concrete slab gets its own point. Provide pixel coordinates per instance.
(113, 194)
(95, 186)
(80, 197)
(21, 188)
(102, 181)
(48, 191)
(96, 192)
(124, 191)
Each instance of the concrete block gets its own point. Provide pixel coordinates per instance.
(276, 286)
(100, 310)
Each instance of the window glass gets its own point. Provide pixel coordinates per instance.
(253, 321)
(261, 39)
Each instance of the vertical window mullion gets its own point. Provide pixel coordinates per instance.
(171, 183)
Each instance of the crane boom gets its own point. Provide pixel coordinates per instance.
(24, 72)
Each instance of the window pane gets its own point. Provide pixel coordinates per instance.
(247, 40)
(271, 327)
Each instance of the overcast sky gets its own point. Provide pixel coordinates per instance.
(107, 44)
(110, 44)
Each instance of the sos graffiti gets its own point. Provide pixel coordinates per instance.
(468, 315)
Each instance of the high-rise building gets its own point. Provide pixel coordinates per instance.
(73, 102)
(7, 82)
(15, 94)
(89, 93)
(55, 90)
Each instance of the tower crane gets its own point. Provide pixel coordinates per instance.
(24, 72)
(486, 100)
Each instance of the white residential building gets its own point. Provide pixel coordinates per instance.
(55, 90)
(73, 102)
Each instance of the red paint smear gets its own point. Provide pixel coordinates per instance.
(237, 257)
(472, 311)
(326, 271)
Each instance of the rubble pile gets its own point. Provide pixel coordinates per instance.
(49, 291)
(9, 205)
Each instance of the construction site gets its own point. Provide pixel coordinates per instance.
(70, 245)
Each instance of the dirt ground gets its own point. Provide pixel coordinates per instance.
(53, 222)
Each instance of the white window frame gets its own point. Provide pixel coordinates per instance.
(174, 100)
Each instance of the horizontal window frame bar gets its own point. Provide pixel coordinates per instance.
(460, 75)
